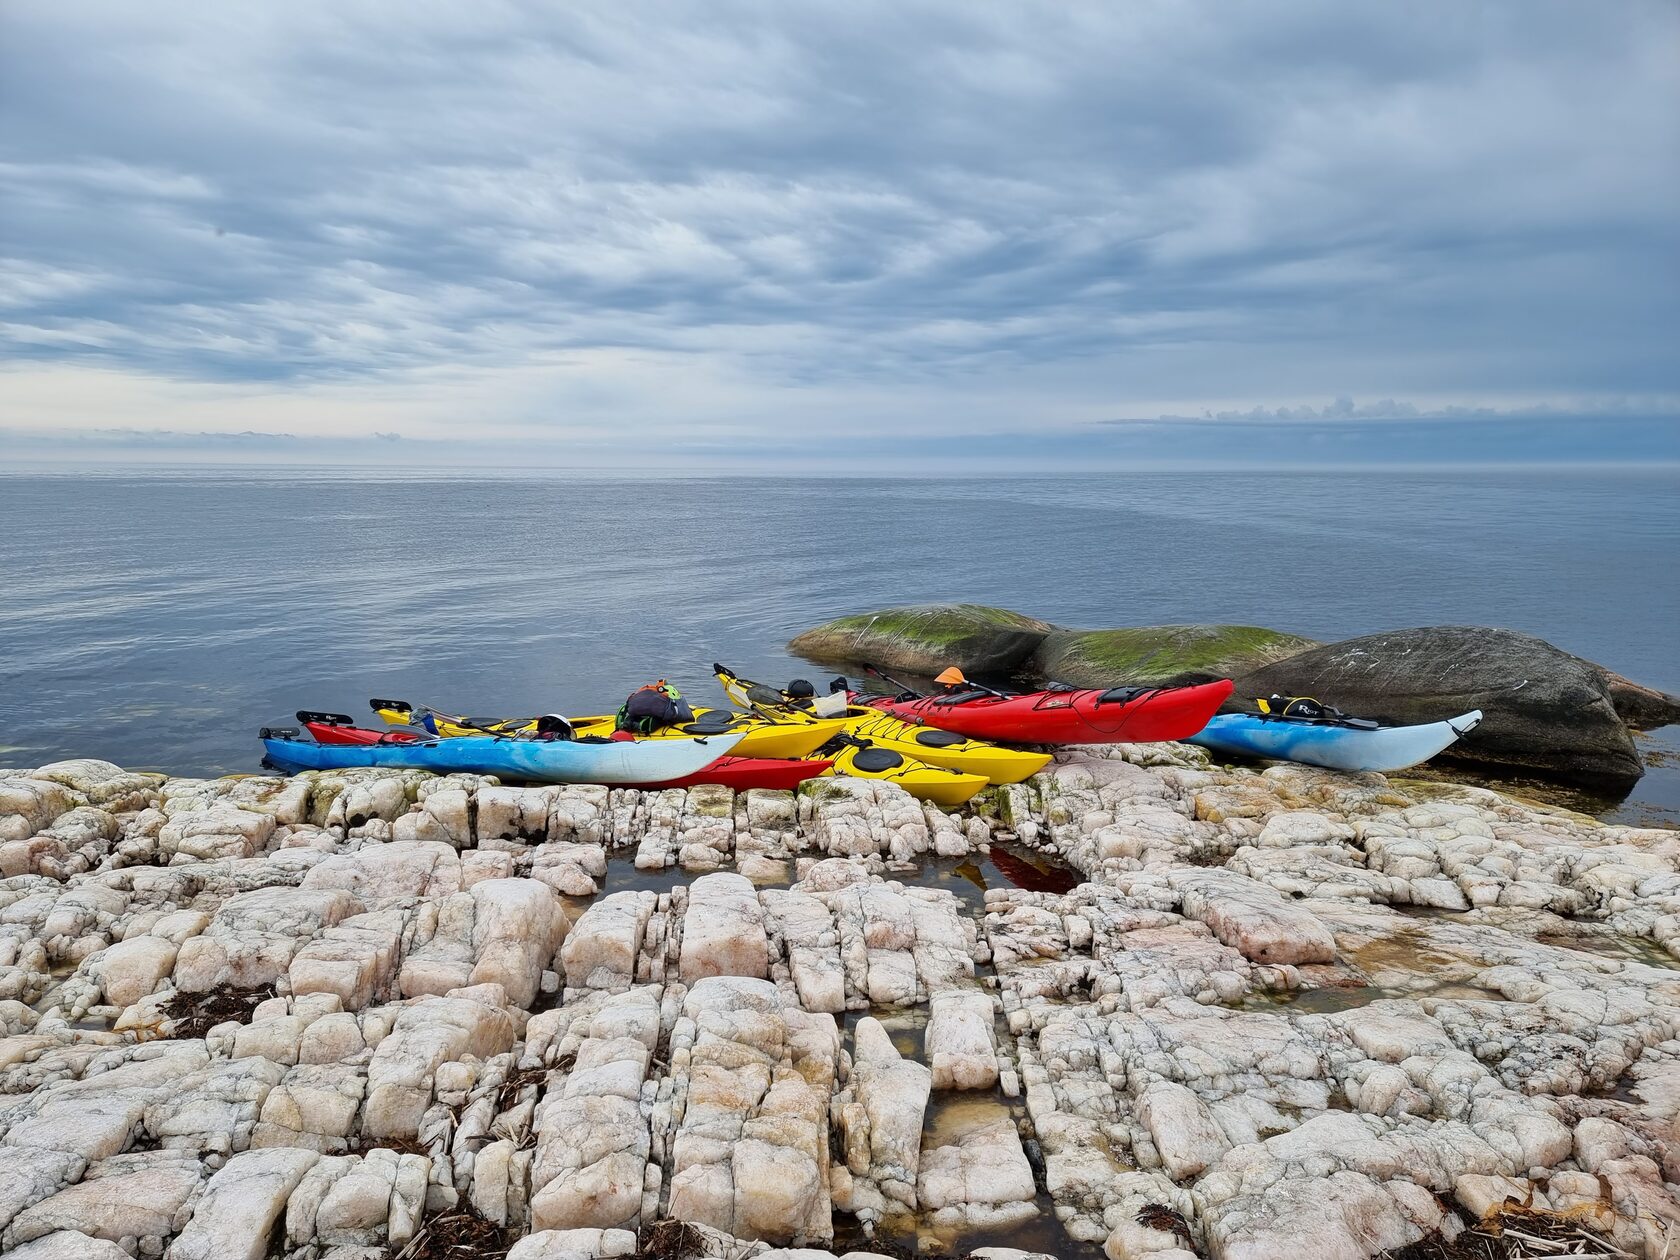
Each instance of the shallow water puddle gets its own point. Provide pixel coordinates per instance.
(1407, 965)
(1398, 966)
(906, 1025)
(1315, 1001)
(950, 1117)
(1615, 946)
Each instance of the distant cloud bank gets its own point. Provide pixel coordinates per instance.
(1345, 409)
(1295, 441)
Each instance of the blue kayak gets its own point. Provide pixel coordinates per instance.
(1331, 744)
(527, 760)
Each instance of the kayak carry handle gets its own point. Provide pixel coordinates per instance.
(307, 716)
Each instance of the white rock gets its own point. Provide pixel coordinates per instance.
(140, 1201)
(413, 868)
(1253, 919)
(883, 1129)
(517, 926)
(426, 1034)
(68, 1245)
(234, 1216)
(29, 1174)
(221, 831)
(959, 1045)
(973, 1163)
(1185, 1134)
(723, 930)
(600, 951)
(574, 1244)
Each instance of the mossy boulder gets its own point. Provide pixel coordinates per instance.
(1161, 654)
(925, 638)
(1543, 711)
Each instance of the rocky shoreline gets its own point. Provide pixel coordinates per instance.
(353, 1015)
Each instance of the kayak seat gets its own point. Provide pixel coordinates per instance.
(874, 760)
(961, 697)
(1122, 695)
(939, 739)
(714, 723)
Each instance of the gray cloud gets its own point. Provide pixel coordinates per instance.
(1006, 217)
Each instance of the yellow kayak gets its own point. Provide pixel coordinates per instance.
(762, 735)
(937, 785)
(943, 748)
(927, 744)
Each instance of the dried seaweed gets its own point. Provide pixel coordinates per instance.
(1516, 1231)
(459, 1236)
(195, 1014)
(1160, 1216)
(669, 1240)
(516, 1082)
(886, 1247)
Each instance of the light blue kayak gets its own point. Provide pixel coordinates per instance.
(1329, 744)
(533, 761)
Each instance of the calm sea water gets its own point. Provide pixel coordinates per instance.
(158, 619)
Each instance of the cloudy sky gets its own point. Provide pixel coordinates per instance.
(636, 232)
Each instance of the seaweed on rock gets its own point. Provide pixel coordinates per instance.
(192, 1015)
(1515, 1231)
(461, 1235)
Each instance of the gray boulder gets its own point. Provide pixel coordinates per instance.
(1544, 711)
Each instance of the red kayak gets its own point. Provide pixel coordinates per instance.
(336, 728)
(740, 773)
(1120, 715)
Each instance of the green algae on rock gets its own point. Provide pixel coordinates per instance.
(926, 638)
(1161, 654)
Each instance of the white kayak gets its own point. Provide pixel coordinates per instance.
(1333, 745)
